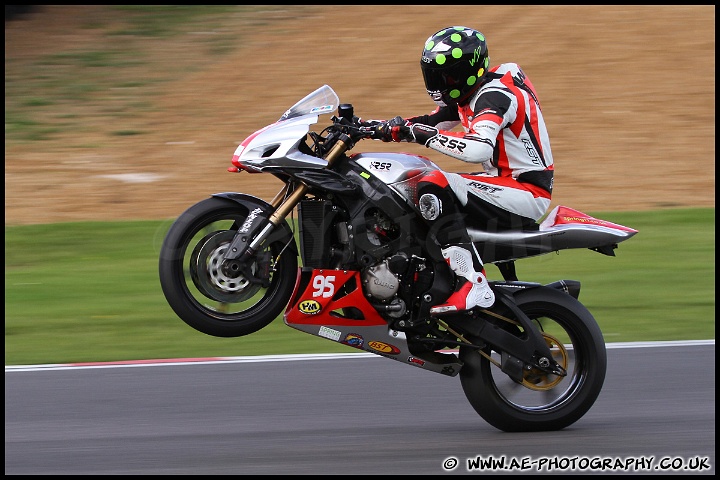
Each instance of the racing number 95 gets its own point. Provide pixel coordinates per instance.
(323, 286)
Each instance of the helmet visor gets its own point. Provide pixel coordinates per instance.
(439, 84)
(437, 80)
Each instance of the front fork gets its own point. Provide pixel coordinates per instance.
(259, 224)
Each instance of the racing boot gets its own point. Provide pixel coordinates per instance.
(473, 289)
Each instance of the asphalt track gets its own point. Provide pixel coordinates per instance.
(347, 414)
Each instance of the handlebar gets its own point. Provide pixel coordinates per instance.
(355, 129)
(346, 127)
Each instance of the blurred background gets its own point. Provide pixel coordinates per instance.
(134, 112)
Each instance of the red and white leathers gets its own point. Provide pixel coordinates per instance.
(505, 132)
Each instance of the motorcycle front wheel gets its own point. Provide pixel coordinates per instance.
(198, 290)
(541, 402)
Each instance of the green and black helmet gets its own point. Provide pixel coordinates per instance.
(454, 62)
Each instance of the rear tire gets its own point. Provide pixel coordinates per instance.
(542, 402)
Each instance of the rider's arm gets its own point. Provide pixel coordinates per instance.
(442, 118)
(492, 111)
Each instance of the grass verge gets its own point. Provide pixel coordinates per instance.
(81, 292)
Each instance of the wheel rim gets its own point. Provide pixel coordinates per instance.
(207, 286)
(538, 380)
(539, 391)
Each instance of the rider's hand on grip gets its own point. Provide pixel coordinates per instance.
(395, 130)
(400, 130)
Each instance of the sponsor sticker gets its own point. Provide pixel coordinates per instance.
(416, 361)
(383, 347)
(329, 333)
(249, 220)
(309, 307)
(353, 340)
(324, 108)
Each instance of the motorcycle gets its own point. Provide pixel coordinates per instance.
(362, 268)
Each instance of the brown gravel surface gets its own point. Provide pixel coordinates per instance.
(628, 93)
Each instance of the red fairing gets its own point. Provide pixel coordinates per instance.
(566, 215)
(324, 293)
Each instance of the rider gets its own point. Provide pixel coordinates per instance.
(504, 130)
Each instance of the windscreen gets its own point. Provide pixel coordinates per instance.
(322, 100)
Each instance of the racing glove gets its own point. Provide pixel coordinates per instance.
(400, 130)
(390, 131)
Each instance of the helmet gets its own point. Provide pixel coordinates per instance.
(454, 61)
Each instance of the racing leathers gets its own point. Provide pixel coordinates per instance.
(505, 132)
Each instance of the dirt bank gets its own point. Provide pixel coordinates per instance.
(628, 93)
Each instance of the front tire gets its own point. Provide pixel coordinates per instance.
(200, 293)
(541, 402)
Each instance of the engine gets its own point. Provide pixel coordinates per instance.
(383, 281)
(380, 282)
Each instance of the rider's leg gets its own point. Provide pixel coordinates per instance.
(439, 207)
(494, 204)
(472, 288)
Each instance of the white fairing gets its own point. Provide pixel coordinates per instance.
(278, 143)
(396, 169)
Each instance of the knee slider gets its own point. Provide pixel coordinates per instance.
(430, 206)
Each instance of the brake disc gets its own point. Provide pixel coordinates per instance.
(207, 274)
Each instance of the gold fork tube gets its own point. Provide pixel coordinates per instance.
(279, 196)
(283, 210)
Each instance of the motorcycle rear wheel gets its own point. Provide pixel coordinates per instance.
(195, 286)
(542, 402)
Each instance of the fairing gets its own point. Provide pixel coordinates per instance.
(278, 144)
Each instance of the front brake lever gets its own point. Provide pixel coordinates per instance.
(370, 132)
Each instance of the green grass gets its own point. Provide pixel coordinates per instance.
(659, 286)
(80, 292)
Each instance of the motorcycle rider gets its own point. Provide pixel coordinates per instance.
(504, 131)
